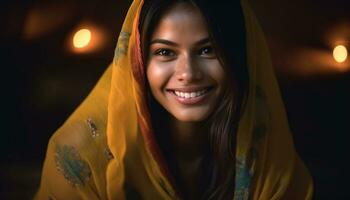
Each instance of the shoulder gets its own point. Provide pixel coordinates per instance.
(74, 149)
(83, 140)
(68, 169)
(76, 159)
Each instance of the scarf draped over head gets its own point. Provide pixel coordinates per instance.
(267, 165)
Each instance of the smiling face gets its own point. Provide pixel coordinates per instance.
(184, 73)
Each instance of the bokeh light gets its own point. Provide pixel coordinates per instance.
(340, 53)
(87, 38)
(82, 38)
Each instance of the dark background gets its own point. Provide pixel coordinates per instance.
(43, 81)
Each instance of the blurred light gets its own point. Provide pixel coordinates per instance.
(87, 38)
(340, 53)
(82, 38)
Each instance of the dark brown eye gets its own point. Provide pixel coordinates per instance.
(164, 52)
(207, 51)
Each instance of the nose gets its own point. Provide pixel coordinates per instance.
(187, 69)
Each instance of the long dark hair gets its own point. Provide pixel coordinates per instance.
(227, 33)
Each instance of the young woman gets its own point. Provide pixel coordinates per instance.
(189, 109)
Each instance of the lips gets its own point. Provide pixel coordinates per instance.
(190, 94)
(182, 94)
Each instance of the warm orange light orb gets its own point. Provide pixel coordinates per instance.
(340, 53)
(82, 38)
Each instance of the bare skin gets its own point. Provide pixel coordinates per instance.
(182, 59)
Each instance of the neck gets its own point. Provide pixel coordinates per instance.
(189, 139)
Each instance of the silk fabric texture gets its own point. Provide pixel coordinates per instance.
(108, 141)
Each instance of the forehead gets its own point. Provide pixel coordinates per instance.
(182, 21)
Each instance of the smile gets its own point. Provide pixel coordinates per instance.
(188, 95)
(191, 97)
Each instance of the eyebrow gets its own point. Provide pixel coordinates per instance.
(171, 43)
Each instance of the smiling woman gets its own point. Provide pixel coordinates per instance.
(189, 109)
(187, 79)
(183, 72)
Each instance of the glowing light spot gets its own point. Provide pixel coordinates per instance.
(340, 53)
(82, 38)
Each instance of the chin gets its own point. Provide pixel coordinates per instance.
(191, 116)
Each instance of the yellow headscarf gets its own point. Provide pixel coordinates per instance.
(267, 165)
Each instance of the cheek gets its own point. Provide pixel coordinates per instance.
(158, 76)
(215, 71)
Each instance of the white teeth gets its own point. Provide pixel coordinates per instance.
(187, 95)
